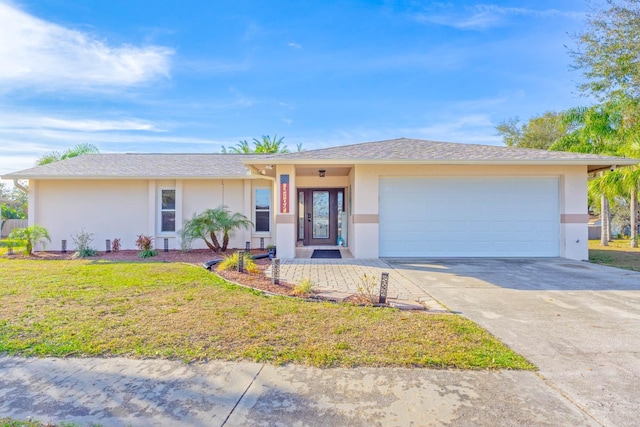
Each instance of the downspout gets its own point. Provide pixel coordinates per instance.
(20, 186)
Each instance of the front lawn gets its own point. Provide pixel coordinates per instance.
(4, 247)
(617, 254)
(174, 310)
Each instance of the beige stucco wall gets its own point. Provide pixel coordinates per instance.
(573, 199)
(108, 209)
(126, 208)
(326, 182)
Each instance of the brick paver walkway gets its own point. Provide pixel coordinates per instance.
(345, 274)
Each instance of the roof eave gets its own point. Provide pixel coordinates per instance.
(124, 177)
(555, 162)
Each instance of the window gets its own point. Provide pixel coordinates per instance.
(168, 211)
(262, 211)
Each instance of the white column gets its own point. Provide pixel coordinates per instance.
(285, 221)
(152, 209)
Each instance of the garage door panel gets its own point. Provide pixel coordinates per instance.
(469, 217)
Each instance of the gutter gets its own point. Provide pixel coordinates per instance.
(20, 186)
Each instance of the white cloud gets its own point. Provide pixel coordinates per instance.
(22, 121)
(483, 16)
(294, 45)
(39, 54)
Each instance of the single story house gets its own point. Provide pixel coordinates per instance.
(395, 198)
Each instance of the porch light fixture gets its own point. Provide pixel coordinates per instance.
(322, 173)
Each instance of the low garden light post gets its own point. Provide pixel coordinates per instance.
(166, 245)
(384, 287)
(247, 246)
(64, 247)
(240, 261)
(10, 249)
(262, 243)
(275, 271)
(108, 245)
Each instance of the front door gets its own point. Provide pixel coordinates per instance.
(319, 215)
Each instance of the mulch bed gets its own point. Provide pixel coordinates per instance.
(197, 257)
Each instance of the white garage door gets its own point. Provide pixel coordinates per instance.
(469, 217)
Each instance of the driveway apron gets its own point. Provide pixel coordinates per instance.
(578, 322)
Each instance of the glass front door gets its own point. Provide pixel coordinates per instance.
(318, 215)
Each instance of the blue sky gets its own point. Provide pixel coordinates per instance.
(191, 76)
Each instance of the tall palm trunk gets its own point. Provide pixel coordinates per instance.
(605, 221)
(634, 217)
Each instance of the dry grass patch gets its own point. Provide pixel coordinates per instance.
(172, 310)
(617, 254)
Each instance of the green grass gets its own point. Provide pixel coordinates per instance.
(4, 248)
(178, 311)
(617, 254)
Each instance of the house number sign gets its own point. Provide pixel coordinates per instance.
(284, 193)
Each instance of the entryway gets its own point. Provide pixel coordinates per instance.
(320, 216)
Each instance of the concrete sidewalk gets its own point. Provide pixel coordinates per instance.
(117, 392)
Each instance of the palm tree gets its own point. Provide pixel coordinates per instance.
(604, 187)
(264, 145)
(204, 226)
(631, 184)
(76, 151)
(270, 145)
(209, 223)
(30, 236)
(229, 223)
(601, 129)
(241, 148)
(627, 187)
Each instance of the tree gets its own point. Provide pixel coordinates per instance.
(76, 151)
(596, 131)
(229, 223)
(14, 204)
(30, 236)
(611, 128)
(540, 132)
(264, 145)
(210, 223)
(608, 53)
(608, 50)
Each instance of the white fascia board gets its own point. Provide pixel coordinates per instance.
(554, 162)
(123, 177)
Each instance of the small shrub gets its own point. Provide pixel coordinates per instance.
(115, 245)
(145, 244)
(147, 253)
(304, 287)
(83, 241)
(186, 240)
(231, 263)
(367, 288)
(29, 237)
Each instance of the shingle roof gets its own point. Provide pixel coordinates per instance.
(402, 150)
(424, 150)
(142, 166)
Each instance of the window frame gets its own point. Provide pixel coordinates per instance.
(254, 210)
(161, 211)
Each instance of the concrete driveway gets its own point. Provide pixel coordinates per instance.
(578, 322)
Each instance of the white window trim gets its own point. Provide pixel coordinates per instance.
(160, 210)
(253, 211)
